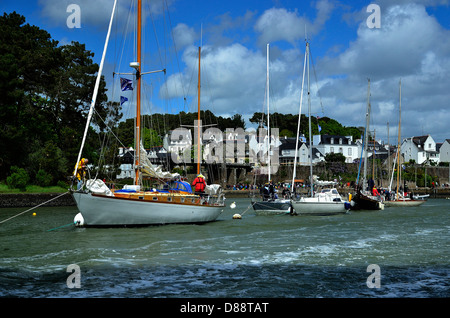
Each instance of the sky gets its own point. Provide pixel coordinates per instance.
(408, 41)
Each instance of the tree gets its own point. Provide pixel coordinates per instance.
(46, 92)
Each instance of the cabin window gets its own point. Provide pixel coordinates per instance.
(169, 199)
(155, 198)
(182, 200)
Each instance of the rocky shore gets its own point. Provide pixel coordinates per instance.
(13, 200)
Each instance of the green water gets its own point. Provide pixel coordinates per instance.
(256, 256)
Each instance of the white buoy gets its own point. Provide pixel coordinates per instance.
(233, 205)
(78, 220)
(237, 216)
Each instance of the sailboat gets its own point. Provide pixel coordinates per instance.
(270, 204)
(363, 200)
(399, 198)
(132, 205)
(328, 201)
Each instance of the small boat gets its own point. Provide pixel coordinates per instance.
(404, 202)
(326, 202)
(421, 196)
(272, 206)
(362, 201)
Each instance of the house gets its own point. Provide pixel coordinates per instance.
(444, 151)
(420, 149)
(337, 144)
(287, 151)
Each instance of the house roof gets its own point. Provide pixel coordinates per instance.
(420, 140)
(289, 143)
(334, 140)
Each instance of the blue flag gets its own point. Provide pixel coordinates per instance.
(123, 99)
(320, 128)
(125, 84)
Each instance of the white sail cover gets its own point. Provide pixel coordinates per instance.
(98, 186)
(149, 170)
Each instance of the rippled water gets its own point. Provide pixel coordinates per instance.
(254, 257)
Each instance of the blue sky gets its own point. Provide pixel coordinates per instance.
(412, 44)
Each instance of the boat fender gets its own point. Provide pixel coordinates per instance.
(349, 197)
(78, 220)
(233, 205)
(347, 205)
(237, 216)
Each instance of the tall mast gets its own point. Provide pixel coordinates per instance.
(138, 93)
(399, 132)
(366, 134)
(309, 122)
(268, 116)
(198, 114)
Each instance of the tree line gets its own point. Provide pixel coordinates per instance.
(46, 89)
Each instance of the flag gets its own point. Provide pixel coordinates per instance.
(320, 128)
(123, 99)
(125, 84)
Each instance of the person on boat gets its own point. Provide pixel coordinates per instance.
(199, 184)
(375, 192)
(80, 169)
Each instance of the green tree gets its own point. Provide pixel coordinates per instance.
(46, 92)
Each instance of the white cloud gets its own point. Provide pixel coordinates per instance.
(278, 24)
(410, 45)
(183, 36)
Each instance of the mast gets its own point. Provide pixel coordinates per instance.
(399, 132)
(268, 121)
(309, 122)
(97, 84)
(198, 113)
(138, 94)
(298, 126)
(366, 134)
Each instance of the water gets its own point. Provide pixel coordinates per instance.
(254, 257)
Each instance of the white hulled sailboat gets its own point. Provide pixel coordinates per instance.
(100, 206)
(328, 201)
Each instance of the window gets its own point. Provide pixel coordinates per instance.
(349, 151)
(332, 149)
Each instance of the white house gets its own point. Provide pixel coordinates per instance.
(444, 151)
(419, 149)
(337, 144)
(287, 151)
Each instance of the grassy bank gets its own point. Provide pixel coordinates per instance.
(33, 189)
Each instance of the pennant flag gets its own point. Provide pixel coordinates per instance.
(125, 84)
(123, 99)
(320, 128)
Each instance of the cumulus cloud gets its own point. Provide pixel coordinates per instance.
(278, 24)
(410, 45)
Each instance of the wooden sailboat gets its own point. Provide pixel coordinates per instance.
(269, 203)
(364, 200)
(328, 201)
(99, 206)
(400, 199)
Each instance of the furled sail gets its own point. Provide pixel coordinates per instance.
(149, 170)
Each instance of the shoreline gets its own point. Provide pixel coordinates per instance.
(16, 200)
